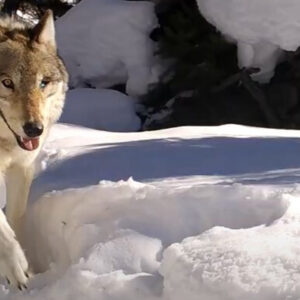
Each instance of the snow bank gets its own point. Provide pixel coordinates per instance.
(260, 27)
(106, 42)
(112, 235)
(101, 109)
(128, 215)
(228, 154)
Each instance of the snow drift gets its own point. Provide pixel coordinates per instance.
(232, 264)
(106, 42)
(225, 226)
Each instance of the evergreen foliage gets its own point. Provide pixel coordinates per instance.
(36, 8)
(204, 80)
(200, 57)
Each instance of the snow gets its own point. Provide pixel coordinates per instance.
(106, 42)
(261, 29)
(101, 109)
(234, 263)
(181, 213)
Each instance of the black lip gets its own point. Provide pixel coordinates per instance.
(18, 138)
(21, 144)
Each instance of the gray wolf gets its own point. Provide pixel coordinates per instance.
(33, 82)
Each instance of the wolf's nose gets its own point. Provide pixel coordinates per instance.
(33, 129)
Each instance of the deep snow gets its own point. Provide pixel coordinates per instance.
(183, 213)
(153, 236)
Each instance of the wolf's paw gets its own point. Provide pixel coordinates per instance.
(13, 263)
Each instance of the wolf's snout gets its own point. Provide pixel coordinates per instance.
(33, 129)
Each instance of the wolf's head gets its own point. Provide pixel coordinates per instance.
(33, 81)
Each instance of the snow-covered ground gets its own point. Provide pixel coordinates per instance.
(101, 109)
(183, 213)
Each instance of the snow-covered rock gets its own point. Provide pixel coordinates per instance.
(101, 109)
(261, 29)
(106, 42)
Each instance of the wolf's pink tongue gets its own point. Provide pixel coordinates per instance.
(30, 144)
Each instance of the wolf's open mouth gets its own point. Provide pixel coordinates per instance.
(28, 144)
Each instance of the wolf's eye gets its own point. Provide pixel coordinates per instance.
(8, 83)
(44, 83)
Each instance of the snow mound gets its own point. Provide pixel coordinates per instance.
(259, 263)
(101, 109)
(111, 210)
(108, 239)
(106, 42)
(260, 27)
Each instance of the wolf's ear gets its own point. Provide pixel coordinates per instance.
(44, 31)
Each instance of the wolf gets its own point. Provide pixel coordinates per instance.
(33, 83)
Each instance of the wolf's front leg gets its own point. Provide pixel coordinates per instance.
(13, 263)
(18, 182)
